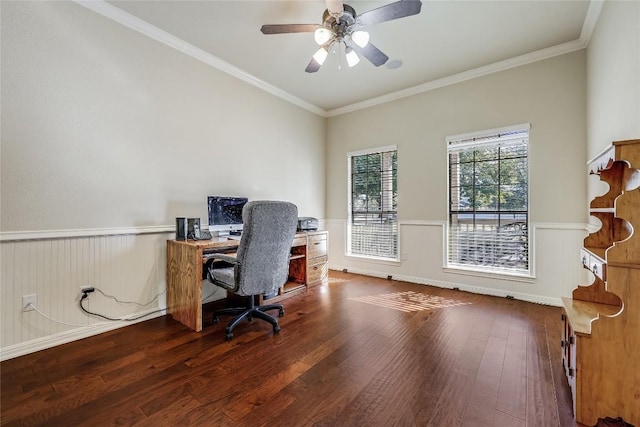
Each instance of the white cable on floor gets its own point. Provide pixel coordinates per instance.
(64, 323)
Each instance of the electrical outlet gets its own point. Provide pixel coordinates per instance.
(29, 301)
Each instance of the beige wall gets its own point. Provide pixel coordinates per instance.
(105, 128)
(613, 82)
(613, 76)
(549, 94)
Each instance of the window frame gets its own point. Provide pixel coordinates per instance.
(485, 270)
(348, 234)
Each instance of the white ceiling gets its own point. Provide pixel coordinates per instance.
(447, 38)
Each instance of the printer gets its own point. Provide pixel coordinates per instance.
(306, 223)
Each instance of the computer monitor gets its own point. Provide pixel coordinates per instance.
(225, 214)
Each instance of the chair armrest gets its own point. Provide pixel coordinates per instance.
(223, 257)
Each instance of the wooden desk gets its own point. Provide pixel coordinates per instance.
(185, 259)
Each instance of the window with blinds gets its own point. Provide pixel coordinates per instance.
(372, 229)
(489, 200)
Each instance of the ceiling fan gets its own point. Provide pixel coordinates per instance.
(341, 26)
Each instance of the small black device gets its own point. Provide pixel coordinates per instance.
(181, 228)
(306, 223)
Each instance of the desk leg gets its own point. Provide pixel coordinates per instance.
(184, 285)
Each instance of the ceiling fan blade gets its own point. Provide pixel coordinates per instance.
(288, 28)
(372, 53)
(335, 8)
(390, 11)
(313, 66)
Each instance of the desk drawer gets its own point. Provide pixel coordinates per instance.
(317, 246)
(317, 273)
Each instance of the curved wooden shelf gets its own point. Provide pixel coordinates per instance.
(601, 345)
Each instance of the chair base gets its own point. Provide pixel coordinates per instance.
(248, 313)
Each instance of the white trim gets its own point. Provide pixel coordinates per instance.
(49, 341)
(490, 274)
(538, 299)
(507, 64)
(558, 225)
(376, 150)
(12, 236)
(420, 223)
(118, 15)
(590, 21)
(375, 260)
(488, 132)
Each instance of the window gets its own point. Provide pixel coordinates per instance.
(489, 200)
(372, 229)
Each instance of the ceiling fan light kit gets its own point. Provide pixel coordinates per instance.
(342, 26)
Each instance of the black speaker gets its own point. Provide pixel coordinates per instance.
(181, 228)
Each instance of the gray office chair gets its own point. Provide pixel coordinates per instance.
(262, 262)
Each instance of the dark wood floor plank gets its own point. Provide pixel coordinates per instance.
(472, 361)
(512, 396)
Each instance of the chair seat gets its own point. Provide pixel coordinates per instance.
(223, 277)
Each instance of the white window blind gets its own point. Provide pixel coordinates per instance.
(489, 200)
(373, 221)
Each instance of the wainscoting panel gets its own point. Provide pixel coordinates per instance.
(129, 267)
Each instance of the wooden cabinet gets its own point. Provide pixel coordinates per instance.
(601, 340)
(307, 266)
(317, 267)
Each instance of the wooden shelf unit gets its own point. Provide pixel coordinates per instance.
(601, 341)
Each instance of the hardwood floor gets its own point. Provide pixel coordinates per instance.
(340, 360)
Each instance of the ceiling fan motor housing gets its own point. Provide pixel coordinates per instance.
(342, 26)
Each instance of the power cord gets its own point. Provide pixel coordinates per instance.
(85, 295)
(129, 302)
(34, 308)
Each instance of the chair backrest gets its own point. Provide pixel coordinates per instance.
(268, 230)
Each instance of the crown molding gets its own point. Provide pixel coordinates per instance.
(590, 21)
(107, 10)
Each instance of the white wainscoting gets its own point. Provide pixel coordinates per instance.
(556, 261)
(129, 264)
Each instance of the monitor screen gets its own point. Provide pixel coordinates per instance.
(225, 213)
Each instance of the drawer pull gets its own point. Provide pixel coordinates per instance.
(317, 243)
(562, 343)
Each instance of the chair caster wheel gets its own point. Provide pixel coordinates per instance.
(281, 313)
(229, 336)
(216, 319)
(276, 329)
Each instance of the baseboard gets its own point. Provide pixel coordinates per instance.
(65, 337)
(537, 299)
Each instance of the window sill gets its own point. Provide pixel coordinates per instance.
(375, 260)
(492, 274)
